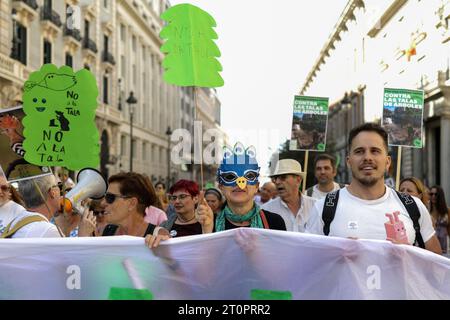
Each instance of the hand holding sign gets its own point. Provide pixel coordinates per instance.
(204, 214)
(59, 123)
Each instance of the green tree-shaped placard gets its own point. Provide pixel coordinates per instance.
(59, 127)
(190, 47)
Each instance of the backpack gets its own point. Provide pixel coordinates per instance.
(331, 201)
(310, 190)
(8, 233)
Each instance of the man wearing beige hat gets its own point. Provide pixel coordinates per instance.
(291, 205)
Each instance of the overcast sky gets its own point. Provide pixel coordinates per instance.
(268, 48)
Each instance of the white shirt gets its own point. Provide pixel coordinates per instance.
(8, 212)
(293, 223)
(365, 219)
(317, 194)
(41, 229)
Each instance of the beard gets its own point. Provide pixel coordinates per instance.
(367, 181)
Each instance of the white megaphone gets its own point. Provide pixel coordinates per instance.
(91, 184)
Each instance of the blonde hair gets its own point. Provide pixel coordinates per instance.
(420, 188)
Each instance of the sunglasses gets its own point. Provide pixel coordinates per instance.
(5, 187)
(111, 197)
(99, 213)
(230, 177)
(180, 196)
(432, 194)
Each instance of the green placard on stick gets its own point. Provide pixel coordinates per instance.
(129, 294)
(258, 294)
(190, 47)
(59, 127)
(309, 124)
(403, 117)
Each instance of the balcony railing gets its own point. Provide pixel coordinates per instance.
(89, 44)
(52, 16)
(31, 3)
(74, 33)
(108, 57)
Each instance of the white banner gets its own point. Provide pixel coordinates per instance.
(237, 264)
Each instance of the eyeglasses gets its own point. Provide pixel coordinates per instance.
(230, 177)
(5, 187)
(432, 194)
(111, 197)
(97, 213)
(180, 196)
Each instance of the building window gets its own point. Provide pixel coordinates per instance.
(105, 89)
(105, 43)
(47, 52)
(47, 5)
(122, 66)
(105, 4)
(69, 60)
(86, 29)
(122, 32)
(123, 146)
(86, 66)
(134, 74)
(133, 42)
(19, 50)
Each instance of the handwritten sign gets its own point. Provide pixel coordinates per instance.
(403, 117)
(59, 105)
(309, 123)
(191, 51)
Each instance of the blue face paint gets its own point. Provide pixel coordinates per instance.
(239, 167)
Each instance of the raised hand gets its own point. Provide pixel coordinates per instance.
(204, 214)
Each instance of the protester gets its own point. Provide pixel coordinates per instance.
(291, 205)
(185, 196)
(360, 209)
(325, 172)
(193, 215)
(238, 177)
(440, 214)
(42, 200)
(414, 187)
(127, 198)
(268, 192)
(98, 209)
(160, 189)
(214, 198)
(11, 205)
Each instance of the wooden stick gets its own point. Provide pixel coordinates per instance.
(399, 164)
(305, 170)
(201, 138)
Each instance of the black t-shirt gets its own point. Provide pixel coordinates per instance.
(183, 230)
(110, 230)
(275, 222)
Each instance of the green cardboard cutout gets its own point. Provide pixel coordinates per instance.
(59, 125)
(191, 51)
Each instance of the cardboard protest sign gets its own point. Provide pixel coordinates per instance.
(59, 124)
(309, 124)
(12, 160)
(191, 51)
(403, 117)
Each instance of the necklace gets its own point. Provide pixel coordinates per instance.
(184, 220)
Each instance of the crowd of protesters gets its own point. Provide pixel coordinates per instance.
(132, 205)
